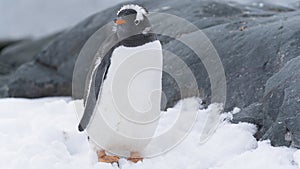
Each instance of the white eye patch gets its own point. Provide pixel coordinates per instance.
(139, 16)
(140, 11)
(146, 30)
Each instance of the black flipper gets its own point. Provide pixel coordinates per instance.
(97, 78)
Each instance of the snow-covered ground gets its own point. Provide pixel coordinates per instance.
(35, 18)
(42, 133)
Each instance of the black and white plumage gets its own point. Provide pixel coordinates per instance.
(125, 86)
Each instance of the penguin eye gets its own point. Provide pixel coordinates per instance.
(136, 22)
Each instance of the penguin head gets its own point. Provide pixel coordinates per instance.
(132, 20)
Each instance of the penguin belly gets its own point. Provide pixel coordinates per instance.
(128, 109)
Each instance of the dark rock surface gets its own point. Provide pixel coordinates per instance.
(258, 46)
(13, 56)
(281, 105)
(278, 116)
(4, 43)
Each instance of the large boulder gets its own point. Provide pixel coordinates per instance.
(257, 45)
(278, 116)
(18, 66)
(281, 105)
(13, 56)
(7, 42)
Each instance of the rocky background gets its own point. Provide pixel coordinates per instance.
(259, 46)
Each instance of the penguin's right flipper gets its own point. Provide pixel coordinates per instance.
(97, 78)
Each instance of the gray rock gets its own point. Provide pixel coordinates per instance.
(256, 46)
(282, 105)
(251, 114)
(278, 116)
(19, 53)
(7, 42)
(37, 81)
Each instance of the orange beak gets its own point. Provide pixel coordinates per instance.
(120, 21)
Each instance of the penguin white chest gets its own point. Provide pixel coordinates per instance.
(129, 101)
(134, 76)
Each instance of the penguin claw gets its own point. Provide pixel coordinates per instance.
(108, 159)
(134, 160)
(134, 157)
(102, 157)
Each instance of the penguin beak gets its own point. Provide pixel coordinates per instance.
(119, 21)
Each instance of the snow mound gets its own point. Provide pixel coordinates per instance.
(42, 133)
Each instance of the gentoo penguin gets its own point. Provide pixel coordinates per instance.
(124, 90)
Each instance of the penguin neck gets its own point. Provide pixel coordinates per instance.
(138, 40)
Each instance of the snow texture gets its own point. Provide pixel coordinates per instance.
(42, 133)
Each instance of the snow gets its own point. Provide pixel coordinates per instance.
(297, 157)
(236, 110)
(36, 18)
(42, 133)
